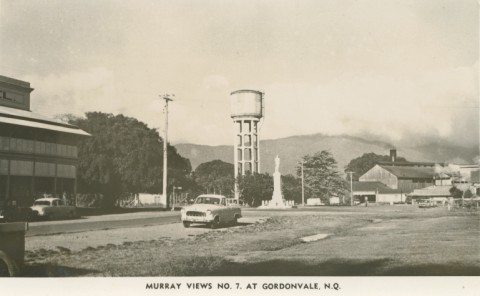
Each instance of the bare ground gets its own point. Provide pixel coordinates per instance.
(359, 241)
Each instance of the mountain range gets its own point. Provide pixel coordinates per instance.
(344, 148)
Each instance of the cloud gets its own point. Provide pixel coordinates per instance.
(435, 104)
(74, 92)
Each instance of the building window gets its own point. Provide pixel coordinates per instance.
(240, 168)
(3, 167)
(255, 126)
(239, 140)
(4, 143)
(255, 140)
(239, 154)
(50, 148)
(44, 169)
(61, 150)
(255, 155)
(256, 167)
(40, 147)
(66, 171)
(21, 168)
(239, 126)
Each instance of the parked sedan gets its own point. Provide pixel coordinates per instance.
(52, 208)
(211, 210)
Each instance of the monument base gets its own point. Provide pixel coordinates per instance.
(272, 204)
(277, 201)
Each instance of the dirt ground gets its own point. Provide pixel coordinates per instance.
(383, 240)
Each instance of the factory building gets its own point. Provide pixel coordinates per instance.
(38, 155)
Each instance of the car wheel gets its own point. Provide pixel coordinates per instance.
(215, 223)
(186, 224)
(4, 272)
(8, 267)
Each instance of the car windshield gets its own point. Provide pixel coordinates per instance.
(207, 200)
(41, 203)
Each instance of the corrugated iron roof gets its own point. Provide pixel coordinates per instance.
(374, 186)
(28, 115)
(409, 164)
(35, 120)
(411, 172)
(431, 191)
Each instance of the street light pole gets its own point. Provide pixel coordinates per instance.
(167, 98)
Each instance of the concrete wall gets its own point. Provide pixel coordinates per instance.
(14, 93)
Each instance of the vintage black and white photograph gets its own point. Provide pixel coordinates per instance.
(239, 139)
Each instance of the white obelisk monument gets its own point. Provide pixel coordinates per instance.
(277, 197)
(277, 200)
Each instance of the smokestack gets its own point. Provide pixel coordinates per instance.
(393, 155)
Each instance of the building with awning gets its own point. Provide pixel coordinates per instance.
(376, 192)
(38, 155)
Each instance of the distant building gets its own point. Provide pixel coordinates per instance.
(334, 200)
(38, 155)
(376, 192)
(404, 178)
(434, 191)
(314, 201)
(418, 180)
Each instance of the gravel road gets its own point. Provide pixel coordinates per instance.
(81, 240)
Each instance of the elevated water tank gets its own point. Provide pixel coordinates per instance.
(247, 103)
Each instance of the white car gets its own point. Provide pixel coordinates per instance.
(52, 208)
(212, 210)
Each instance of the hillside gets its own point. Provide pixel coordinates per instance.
(343, 148)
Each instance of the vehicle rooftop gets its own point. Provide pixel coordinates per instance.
(211, 195)
(47, 198)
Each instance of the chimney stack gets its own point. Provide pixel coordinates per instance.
(393, 155)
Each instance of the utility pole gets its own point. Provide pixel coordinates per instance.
(167, 98)
(351, 187)
(303, 188)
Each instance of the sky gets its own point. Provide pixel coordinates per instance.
(402, 71)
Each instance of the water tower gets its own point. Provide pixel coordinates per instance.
(247, 111)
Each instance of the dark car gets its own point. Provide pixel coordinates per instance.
(13, 213)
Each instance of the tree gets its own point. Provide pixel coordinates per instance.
(321, 177)
(468, 194)
(123, 156)
(292, 188)
(364, 163)
(455, 192)
(215, 176)
(255, 187)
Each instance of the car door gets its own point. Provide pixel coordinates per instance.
(228, 211)
(54, 208)
(60, 208)
(224, 211)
